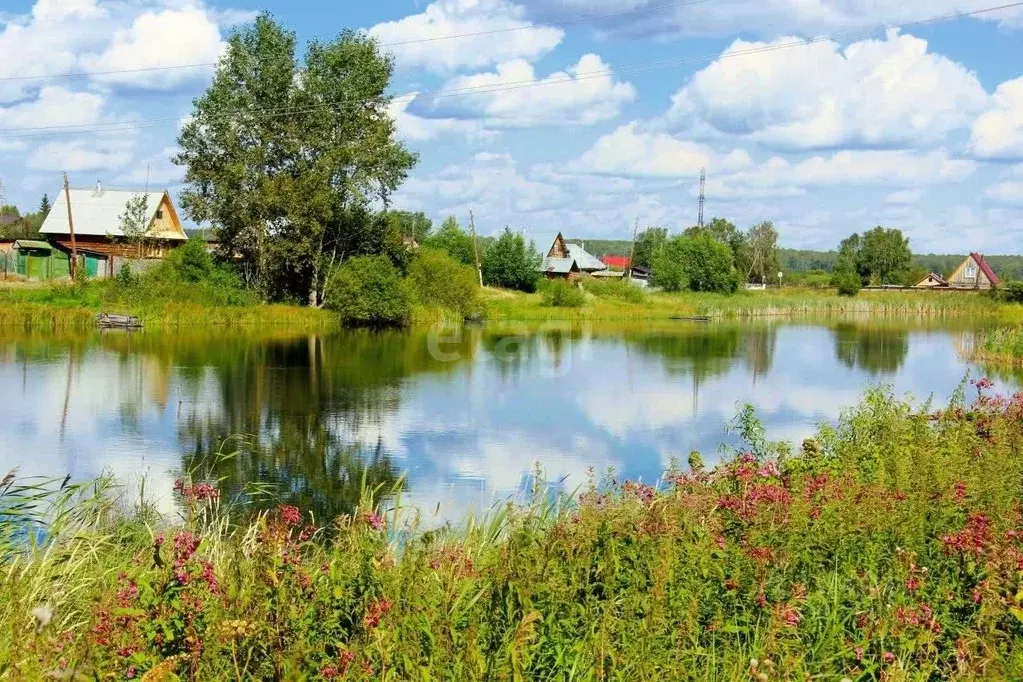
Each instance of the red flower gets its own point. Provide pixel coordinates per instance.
(888, 657)
(375, 521)
(289, 515)
(376, 611)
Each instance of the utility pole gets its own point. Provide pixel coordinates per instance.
(703, 194)
(71, 229)
(475, 247)
(632, 256)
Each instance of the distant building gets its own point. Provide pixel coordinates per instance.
(973, 273)
(567, 261)
(97, 221)
(931, 281)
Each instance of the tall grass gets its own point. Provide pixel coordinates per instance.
(1004, 346)
(889, 547)
(744, 305)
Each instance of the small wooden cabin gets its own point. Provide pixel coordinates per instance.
(931, 281)
(566, 261)
(97, 222)
(973, 273)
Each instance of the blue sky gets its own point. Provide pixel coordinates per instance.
(881, 119)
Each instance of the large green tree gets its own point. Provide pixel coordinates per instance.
(454, 240)
(699, 263)
(761, 262)
(285, 157)
(511, 264)
(647, 243)
(885, 255)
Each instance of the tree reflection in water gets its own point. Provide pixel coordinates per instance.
(873, 349)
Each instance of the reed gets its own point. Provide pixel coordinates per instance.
(888, 547)
(1000, 346)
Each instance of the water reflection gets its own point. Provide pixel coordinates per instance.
(465, 413)
(870, 348)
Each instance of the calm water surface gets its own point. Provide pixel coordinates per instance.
(465, 414)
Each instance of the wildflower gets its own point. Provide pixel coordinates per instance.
(912, 584)
(859, 653)
(960, 491)
(376, 611)
(791, 616)
(720, 541)
(888, 657)
(42, 614)
(375, 521)
(289, 514)
(329, 671)
(131, 673)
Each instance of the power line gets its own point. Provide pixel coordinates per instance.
(127, 126)
(454, 36)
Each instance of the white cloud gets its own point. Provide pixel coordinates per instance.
(583, 94)
(873, 92)
(157, 40)
(764, 17)
(1010, 189)
(156, 170)
(998, 132)
(418, 129)
(79, 155)
(418, 40)
(906, 196)
(54, 106)
(630, 150)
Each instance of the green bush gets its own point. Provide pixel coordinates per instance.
(440, 280)
(369, 291)
(561, 294)
(511, 264)
(699, 263)
(619, 289)
(1013, 292)
(454, 240)
(848, 284)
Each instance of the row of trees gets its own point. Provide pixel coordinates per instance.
(716, 257)
(15, 225)
(880, 256)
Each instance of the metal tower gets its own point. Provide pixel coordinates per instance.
(703, 194)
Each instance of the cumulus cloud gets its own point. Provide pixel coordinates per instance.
(819, 95)
(645, 18)
(419, 40)
(420, 129)
(583, 94)
(998, 132)
(633, 151)
(1010, 189)
(81, 155)
(54, 106)
(905, 196)
(159, 41)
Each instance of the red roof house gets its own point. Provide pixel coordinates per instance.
(973, 273)
(616, 262)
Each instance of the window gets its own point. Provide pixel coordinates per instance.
(159, 213)
(971, 272)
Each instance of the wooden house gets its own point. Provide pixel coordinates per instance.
(567, 261)
(99, 239)
(973, 273)
(931, 281)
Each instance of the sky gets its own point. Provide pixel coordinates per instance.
(826, 117)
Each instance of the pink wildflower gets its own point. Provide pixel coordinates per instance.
(888, 657)
(289, 514)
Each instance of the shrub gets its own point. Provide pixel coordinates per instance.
(440, 280)
(561, 294)
(369, 291)
(509, 263)
(699, 263)
(848, 284)
(454, 240)
(619, 289)
(1013, 292)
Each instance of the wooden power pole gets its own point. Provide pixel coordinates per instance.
(475, 247)
(632, 256)
(71, 229)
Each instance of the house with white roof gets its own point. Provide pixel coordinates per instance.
(567, 261)
(98, 237)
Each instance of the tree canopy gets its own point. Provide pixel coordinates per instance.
(292, 193)
(511, 264)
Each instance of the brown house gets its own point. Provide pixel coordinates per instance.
(931, 281)
(567, 261)
(973, 273)
(97, 222)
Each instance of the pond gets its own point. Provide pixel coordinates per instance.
(465, 414)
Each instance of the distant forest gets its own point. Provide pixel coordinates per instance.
(805, 260)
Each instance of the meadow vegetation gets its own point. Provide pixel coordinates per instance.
(890, 546)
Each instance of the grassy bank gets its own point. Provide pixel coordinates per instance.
(68, 306)
(508, 305)
(1000, 346)
(890, 547)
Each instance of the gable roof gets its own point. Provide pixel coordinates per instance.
(559, 266)
(616, 261)
(97, 213)
(935, 276)
(586, 262)
(985, 268)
